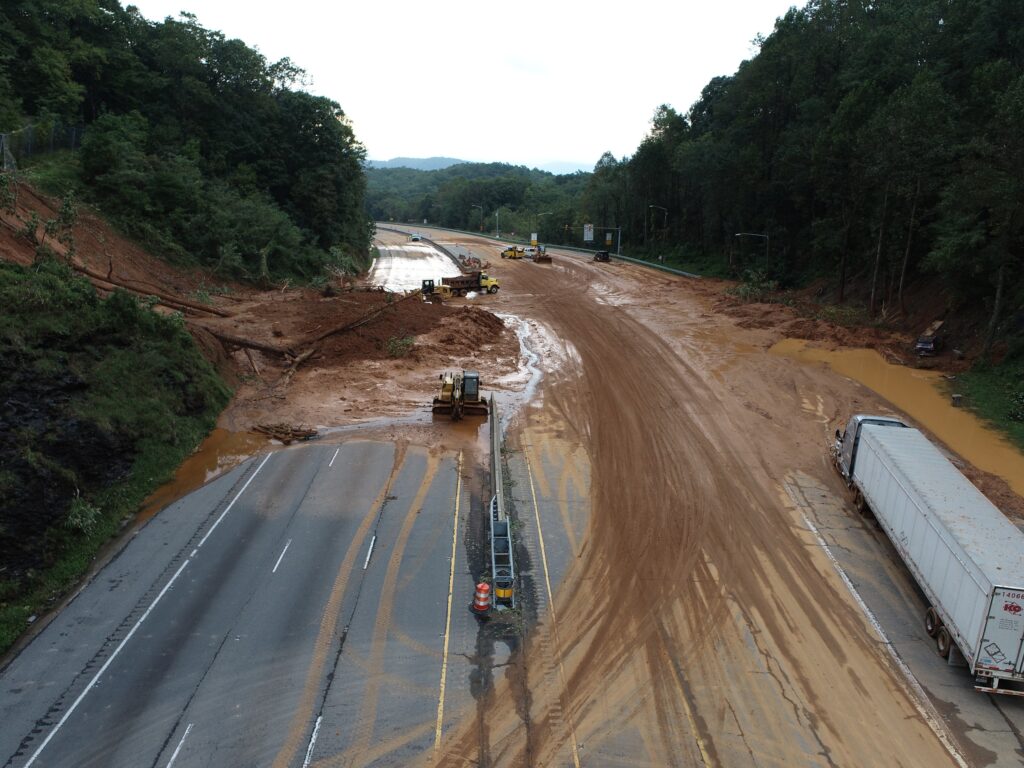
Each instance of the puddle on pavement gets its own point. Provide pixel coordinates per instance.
(918, 394)
(220, 451)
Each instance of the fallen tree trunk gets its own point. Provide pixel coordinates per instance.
(241, 341)
(299, 360)
(147, 292)
(353, 324)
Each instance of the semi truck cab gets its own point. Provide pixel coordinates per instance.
(845, 448)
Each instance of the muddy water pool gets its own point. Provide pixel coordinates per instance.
(924, 396)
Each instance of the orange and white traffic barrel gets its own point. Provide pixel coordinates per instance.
(482, 600)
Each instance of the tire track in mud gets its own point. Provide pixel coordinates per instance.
(686, 527)
(303, 718)
(363, 729)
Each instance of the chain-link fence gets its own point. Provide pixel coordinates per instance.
(37, 139)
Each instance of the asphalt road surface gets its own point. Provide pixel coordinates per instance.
(251, 616)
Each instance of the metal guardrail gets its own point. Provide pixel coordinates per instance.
(638, 262)
(503, 568)
(427, 240)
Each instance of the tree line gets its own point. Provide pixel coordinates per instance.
(865, 144)
(481, 197)
(194, 142)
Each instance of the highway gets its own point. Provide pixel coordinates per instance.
(251, 612)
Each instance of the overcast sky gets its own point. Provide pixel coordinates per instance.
(527, 82)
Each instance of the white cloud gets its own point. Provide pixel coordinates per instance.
(527, 83)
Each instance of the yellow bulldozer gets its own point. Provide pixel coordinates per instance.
(460, 395)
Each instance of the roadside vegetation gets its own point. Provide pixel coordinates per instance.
(211, 156)
(192, 143)
(100, 401)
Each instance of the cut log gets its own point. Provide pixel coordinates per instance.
(286, 433)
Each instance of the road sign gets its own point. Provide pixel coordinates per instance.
(533, 238)
(608, 239)
(588, 233)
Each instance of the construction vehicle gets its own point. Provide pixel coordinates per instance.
(435, 293)
(602, 256)
(460, 395)
(512, 252)
(472, 281)
(541, 257)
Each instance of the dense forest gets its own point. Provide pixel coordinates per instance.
(193, 143)
(867, 145)
(480, 197)
(203, 151)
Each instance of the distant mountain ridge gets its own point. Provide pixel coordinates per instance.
(440, 163)
(416, 163)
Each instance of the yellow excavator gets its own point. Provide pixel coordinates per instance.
(460, 395)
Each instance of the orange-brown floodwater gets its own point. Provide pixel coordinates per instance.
(920, 395)
(218, 453)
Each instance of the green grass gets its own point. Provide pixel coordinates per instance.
(996, 394)
(55, 174)
(117, 397)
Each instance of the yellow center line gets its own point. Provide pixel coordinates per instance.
(686, 707)
(551, 608)
(448, 615)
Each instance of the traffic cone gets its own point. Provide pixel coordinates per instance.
(482, 600)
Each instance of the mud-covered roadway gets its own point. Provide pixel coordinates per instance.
(700, 623)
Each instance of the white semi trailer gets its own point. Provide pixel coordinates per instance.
(965, 555)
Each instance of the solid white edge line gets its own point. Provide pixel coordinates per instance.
(333, 458)
(180, 745)
(222, 514)
(103, 669)
(312, 741)
(281, 556)
(370, 552)
(937, 728)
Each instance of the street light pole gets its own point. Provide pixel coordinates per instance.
(767, 243)
(497, 225)
(539, 215)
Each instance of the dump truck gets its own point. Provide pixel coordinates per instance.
(966, 557)
(471, 281)
(460, 395)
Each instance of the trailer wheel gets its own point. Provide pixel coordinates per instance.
(932, 622)
(943, 642)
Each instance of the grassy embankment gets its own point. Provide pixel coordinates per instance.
(996, 394)
(101, 400)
